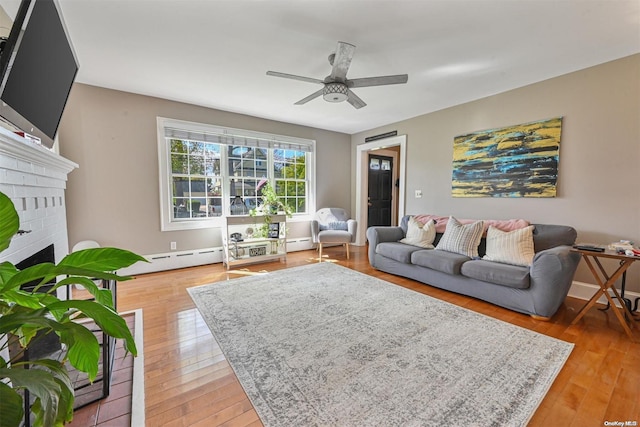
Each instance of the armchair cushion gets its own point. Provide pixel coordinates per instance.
(334, 236)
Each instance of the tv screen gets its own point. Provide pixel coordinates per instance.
(38, 66)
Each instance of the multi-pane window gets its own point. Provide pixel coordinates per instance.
(248, 168)
(208, 172)
(196, 181)
(290, 173)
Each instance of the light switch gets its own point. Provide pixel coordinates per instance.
(418, 194)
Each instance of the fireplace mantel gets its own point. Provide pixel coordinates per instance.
(16, 147)
(34, 178)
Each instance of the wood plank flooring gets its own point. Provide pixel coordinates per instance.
(188, 381)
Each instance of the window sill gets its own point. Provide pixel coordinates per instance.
(197, 224)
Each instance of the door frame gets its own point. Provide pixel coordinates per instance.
(362, 179)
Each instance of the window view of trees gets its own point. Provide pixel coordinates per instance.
(196, 179)
(290, 173)
(201, 188)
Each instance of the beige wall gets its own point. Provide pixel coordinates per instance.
(599, 170)
(113, 197)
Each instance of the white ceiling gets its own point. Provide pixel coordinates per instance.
(215, 53)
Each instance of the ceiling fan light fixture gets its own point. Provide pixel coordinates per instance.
(335, 92)
(336, 87)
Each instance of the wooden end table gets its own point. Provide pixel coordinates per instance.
(606, 282)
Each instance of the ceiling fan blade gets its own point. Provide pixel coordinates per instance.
(342, 61)
(378, 81)
(355, 100)
(310, 97)
(294, 77)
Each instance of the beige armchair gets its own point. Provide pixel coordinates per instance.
(333, 226)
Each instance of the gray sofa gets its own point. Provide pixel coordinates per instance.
(538, 290)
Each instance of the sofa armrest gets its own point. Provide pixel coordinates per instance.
(377, 235)
(552, 274)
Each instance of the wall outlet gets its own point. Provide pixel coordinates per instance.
(174, 246)
(418, 194)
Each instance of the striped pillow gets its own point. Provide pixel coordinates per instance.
(461, 239)
(513, 247)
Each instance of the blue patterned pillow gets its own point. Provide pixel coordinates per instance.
(335, 225)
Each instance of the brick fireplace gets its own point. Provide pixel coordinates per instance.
(35, 179)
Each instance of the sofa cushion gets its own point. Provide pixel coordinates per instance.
(446, 262)
(419, 234)
(513, 247)
(513, 276)
(460, 238)
(396, 251)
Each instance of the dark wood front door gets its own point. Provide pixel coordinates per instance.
(380, 190)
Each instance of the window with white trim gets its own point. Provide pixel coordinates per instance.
(290, 173)
(209, 171)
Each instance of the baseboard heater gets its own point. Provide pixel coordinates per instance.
(183, 259)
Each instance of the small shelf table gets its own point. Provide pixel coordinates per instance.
(606, 282)
(242, 247)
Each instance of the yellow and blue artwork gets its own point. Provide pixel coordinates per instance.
(514, 161)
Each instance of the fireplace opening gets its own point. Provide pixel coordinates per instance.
(43, 344)
(44, 255)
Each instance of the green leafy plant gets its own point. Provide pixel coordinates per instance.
(23, 314)
(271, 205)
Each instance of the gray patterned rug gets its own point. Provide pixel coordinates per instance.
(323, 345)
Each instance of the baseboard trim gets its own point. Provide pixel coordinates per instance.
(183, 259)
(174, 260)
(585, 291)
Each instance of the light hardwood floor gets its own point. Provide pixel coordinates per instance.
(188, 381)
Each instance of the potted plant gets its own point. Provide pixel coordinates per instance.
(23, 314)
(271, 205)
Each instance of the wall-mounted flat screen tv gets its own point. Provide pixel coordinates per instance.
(38, 66)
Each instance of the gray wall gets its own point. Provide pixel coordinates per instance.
(599, 174)
(113, 197)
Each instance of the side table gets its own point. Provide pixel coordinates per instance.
(606, 283)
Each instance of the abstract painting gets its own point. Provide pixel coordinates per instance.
(514, 161)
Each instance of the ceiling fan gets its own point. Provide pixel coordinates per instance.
(336, 86)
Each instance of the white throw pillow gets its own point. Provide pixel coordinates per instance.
(461, 239)
(420, 235)
(513, 247)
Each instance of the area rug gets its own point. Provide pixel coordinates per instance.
(323, 345)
